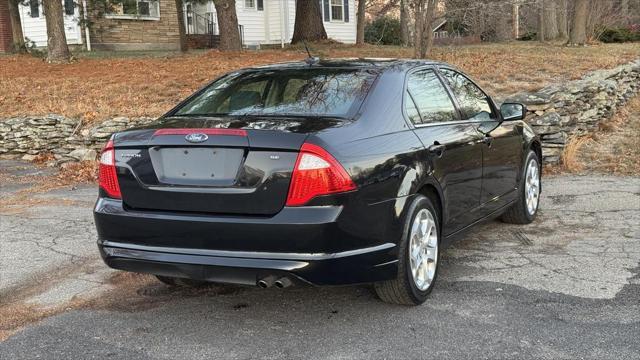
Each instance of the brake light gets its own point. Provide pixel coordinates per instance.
(230, 132)
(316, 173)
(107, 177)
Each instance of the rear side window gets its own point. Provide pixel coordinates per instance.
(473, 102)
(320, 92)
(431, 99)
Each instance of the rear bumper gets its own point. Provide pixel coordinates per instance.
(307, 244)
(358, 266)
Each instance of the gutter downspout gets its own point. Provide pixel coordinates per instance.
(86, 28)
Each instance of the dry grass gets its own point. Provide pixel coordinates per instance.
(97, 88)
(572, 150)
(613, 149)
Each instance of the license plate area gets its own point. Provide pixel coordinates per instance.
(196, 166)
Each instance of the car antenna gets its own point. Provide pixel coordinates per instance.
(311, 60)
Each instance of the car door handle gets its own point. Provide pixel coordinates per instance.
(437, 149)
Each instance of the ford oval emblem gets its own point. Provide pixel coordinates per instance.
(196, 137)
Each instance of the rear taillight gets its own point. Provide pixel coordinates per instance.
(107, 177)
(316, 173)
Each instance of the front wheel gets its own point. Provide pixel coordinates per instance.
(417, 257)
(525, 209)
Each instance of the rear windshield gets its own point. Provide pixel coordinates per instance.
(327, 92)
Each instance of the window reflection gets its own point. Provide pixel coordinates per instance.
(431, 98)
(320, 92)
(473, 102)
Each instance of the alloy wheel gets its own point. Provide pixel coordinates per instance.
(532, 187)
(423, 249)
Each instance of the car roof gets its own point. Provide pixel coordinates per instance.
(364, 63)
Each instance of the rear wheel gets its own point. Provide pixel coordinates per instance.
(525, 209)
(174, 281)
(418, 257)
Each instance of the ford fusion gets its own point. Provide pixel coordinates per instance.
(327, 172)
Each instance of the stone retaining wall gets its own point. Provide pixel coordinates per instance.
(556, 112)
(28, 136)
(560, 111)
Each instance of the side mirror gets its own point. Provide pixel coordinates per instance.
(513, 111)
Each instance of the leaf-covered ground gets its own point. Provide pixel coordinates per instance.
(99, 85)
(614, 149)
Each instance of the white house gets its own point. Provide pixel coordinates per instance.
(34, 26)
(151, 24)
(272, 21)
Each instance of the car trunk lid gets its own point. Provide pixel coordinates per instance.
(222, 166)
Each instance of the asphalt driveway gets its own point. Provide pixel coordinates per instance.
(567, 286)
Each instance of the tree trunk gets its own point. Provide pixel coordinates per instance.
(578, 34)
(228, 25)
(309, 25)
(550, 20)
(181, 29)
(57, 49)
(425, 14)
(541, 21)
(561, 17)
(404, 24)
(360, 27)
(431, 16)
(624, 11)
(418, 34)
(515, 21)
(16, 26)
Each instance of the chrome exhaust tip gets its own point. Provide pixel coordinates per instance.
(283, 282)
(267, 282)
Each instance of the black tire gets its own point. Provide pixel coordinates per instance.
(518, 213)
(403, 290)
(174, 281)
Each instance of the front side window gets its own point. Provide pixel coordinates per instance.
(337, 10)
(474, 103)
(292, 92)
(432, 101)
(135, 8)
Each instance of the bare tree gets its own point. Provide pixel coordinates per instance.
(425, 15)
(181, 29)
(228, 25)
(360, 26)
(16, 25)
(404, 23)
(578, 34)
(308, 24)
(541, 21)
(550, 20)
(624, 9)
(57, 49)
(515, 20)
(562, 19)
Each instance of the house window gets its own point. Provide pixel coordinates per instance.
(260, 4)
(34, 8)
(135, 9)
(250, 4)
(337, 10)
(69, 7)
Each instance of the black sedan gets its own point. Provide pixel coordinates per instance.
(319, 172)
